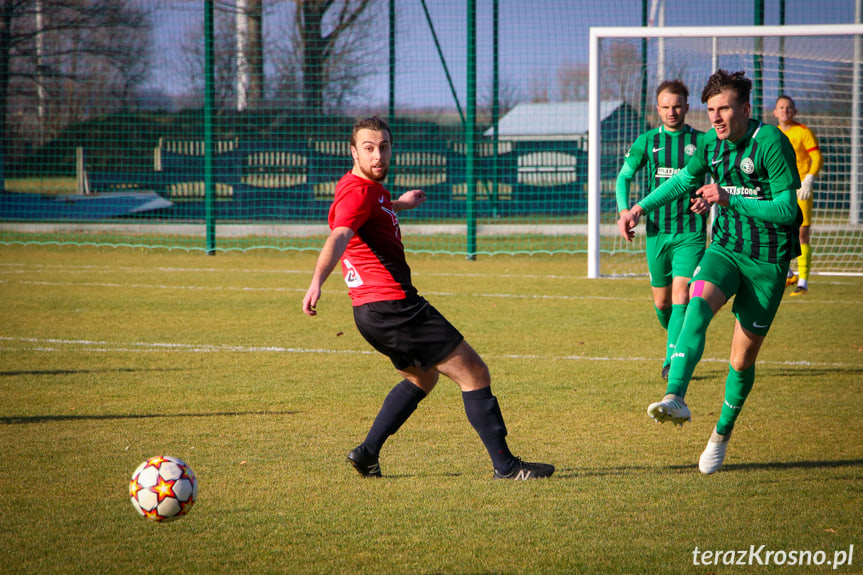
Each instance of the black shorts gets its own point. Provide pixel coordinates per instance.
(411, 332)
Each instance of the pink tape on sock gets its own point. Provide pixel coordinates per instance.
(697, 288)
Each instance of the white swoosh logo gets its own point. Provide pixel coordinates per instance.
(756, 326)
(658, 149)
(714, 162)
(381, 200)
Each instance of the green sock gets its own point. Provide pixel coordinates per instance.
(675, 324)
(664, 316)
(689, 346)
(738, 384)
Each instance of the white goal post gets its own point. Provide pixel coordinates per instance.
(838, 47)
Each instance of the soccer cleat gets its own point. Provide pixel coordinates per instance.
(714, 454)
(365, 464)
(672, 408)
(799, 291)
(791, 279)
(665, 369)
(524, 470)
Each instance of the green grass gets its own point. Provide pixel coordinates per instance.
(111, 356)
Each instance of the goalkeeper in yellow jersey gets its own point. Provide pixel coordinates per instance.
(809, 162)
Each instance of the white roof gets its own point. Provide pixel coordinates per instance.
(550, 120)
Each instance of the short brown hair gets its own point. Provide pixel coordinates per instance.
(675, 87)
(370, 123)
(722, 81)
(789, 98)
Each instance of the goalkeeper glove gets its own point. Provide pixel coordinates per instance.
(805, 191)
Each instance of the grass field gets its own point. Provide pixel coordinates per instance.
(111, 356)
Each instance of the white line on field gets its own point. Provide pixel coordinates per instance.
(797, 301)
(10, 267)
(152, 286)
(61, 345)
(23, 267)
(303, 290)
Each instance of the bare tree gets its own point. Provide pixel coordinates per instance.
(62, 61)
(250, 54)
(227, 60)
(508, 95)
(621, 75)
(572, 82)
(318, 54)
(330, 36)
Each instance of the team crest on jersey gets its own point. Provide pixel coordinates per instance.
(747, 165)
(352, 276)
(689, 150)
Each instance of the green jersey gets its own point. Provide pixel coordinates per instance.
(664, 153)
(760, 175)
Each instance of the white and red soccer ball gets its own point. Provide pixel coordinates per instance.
(163, 488)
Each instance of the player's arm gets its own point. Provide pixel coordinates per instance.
(781, 207)
(680, 184)
(816, 161)
(409, 200)
(329, 257)
(633, 162)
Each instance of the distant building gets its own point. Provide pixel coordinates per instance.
(551, 141)
(567, 121)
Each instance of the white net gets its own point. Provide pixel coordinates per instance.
(820, 70)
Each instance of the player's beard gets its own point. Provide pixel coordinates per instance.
(375, 176)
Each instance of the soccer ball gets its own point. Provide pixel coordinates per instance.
(163, 488)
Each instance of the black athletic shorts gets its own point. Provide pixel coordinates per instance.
(411, 332)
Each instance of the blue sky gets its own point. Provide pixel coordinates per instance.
(537, 38)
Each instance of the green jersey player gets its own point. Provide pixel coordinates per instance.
(676, 235)
(755, 235)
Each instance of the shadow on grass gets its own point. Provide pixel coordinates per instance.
(781, 465)
(19, 419)
(625, 470)
(807, 371)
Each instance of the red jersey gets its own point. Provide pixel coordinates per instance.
(373, 265)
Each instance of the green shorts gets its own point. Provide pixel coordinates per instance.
(673, 256)
(757, 287)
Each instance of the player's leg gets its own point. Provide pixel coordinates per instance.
(659, 253)
(755, 306)
(679, 302)
(741, 377)
(706, 298)
(415, 337)
(467, 369)
(804, 262)
(662, 304)
(687, 253)
(398, 406)
(714, 281)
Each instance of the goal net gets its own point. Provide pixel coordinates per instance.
(818, 66)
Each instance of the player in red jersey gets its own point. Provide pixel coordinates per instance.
(393, 317)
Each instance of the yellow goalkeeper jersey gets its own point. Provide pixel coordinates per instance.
(806, 149)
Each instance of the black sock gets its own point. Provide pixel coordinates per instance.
(401, 402)
(484, 415)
